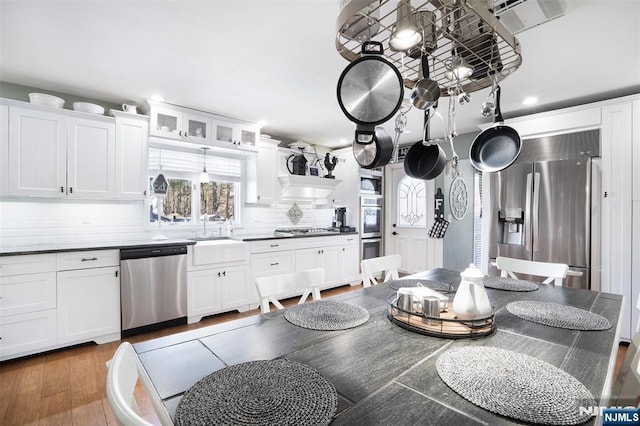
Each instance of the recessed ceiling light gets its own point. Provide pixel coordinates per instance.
(531, 100)
(157, 98)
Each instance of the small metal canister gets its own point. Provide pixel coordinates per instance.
(430, 308)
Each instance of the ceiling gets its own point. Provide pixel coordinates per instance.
(276, 60)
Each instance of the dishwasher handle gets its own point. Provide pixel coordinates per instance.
(146, 252)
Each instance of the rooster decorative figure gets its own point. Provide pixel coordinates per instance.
(330, 164)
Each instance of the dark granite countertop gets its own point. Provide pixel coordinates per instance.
(40, 248)
(385, 374)
(55, 247)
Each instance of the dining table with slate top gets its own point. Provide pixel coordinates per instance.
(385, 374)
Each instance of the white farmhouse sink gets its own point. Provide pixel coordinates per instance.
(219, 251)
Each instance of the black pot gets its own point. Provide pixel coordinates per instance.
(425, 161)
(496, 147)
(372, 147)
(370, 89)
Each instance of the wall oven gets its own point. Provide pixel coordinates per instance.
(370, 217)
(370, 248)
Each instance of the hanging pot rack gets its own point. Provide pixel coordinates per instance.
(467, 28)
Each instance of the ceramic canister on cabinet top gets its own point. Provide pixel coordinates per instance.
(471, 300)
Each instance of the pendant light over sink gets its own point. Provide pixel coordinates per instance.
(204, 176)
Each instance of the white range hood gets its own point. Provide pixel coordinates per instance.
(296, 186)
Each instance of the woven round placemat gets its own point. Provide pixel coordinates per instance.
(557, 315)
(327, 315)
(434, 285)
(509, 284)
(271, 392)
(514, 385)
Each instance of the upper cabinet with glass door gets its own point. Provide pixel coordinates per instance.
(189, 125)
(241, 134)
(168, 121)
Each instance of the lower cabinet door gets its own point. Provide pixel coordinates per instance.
(203, 293)
(27, 333)
(233, 289)
(88, 304)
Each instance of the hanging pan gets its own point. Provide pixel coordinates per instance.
(372, 147)
(496, 147)
(425, 161)
(370, 89)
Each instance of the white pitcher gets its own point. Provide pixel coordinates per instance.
(471, 300)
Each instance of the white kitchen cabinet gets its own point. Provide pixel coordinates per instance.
(338, 258)
(347, 191)
(235, 133)
(37, 152)
(88, 304)
(267, 264)
(27, 304)
(51, 154)
(327, 258)
(262, 172)
(217, 278)
(203, 294)
(27, 333)
(234, 291)
(211, 291)
(91, 154)
(4, 150)
(88, 296)
(132, 156)
(174, 122)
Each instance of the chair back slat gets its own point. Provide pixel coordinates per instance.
(553, 272)
(372, 267)
(275, 287)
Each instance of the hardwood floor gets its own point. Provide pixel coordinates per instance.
(67, 387)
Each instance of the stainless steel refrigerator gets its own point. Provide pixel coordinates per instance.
(545, 207)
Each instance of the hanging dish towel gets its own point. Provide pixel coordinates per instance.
(438, 228)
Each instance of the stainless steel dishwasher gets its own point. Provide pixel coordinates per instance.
(153, 287)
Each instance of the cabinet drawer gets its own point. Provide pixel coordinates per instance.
(88, 259)
(27, 264)
(272, 245)
(27, 333)
(272, 263)
(21, 294)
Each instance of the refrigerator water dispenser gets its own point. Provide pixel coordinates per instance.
(512, 221)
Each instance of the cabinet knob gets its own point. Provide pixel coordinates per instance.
(219, 274)
(145, 193)
(71, 190)
(394, 233)
(276, 263)
(224, 273)
(89, 259)
(62, 189)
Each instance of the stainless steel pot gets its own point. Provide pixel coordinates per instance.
(370, 89)
(372, 147)
(496, 147)
(426, 92)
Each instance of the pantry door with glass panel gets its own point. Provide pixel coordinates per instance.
(409, 214)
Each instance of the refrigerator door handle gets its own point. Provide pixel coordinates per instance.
(527, 213)
(536, 210)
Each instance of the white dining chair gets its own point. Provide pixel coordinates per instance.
(376, 265)
(123, 372)
(626, 389)
(552, 272)
(275, 287)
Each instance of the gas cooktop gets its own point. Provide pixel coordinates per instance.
(297, 232)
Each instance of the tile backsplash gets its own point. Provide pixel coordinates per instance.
(52, 220)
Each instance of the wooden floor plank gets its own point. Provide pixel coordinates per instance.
(25, 401)
(91, 413)
(55, 410)
(55, 378)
